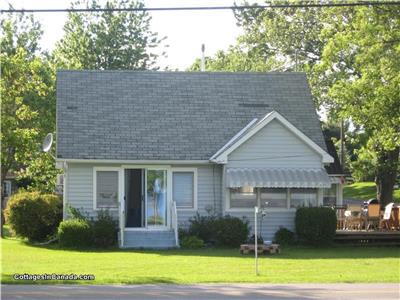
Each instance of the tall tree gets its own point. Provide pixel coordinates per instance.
(27, 97)
(108, 40)
(351, 58)
(369, 91)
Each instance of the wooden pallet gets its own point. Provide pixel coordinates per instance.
(261, 249)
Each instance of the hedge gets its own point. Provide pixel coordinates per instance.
(315, 225)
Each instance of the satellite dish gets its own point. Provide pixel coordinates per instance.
(47, 142)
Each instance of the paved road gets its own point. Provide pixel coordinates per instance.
(204, 291)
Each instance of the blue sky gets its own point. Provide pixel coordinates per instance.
(185, 31)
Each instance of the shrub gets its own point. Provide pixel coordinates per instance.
(284, 237)
(105, 230)
(75, 213)
(224, 231)
(33, 215)
(191, 242)
(315, 225)
(231, 231)
(203, 227)
(75, 233)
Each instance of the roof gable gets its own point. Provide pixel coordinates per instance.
(221, 155)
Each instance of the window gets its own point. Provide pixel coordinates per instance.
(274, 197)
(244, 197)
(105, 189)
(183, 189)
(330, 195)
(303, 197)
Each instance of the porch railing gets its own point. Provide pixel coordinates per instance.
(174, 219)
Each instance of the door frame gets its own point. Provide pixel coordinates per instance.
(122, 198)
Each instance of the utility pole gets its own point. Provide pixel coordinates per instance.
(342, 143)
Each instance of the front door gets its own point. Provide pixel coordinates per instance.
(156, 198)
(146, 198)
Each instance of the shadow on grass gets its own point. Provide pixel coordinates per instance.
(334, 251)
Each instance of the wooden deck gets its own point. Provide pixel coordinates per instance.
(368, 237)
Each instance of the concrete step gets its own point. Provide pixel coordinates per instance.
(150, 239)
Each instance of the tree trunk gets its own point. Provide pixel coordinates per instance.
(386, 173)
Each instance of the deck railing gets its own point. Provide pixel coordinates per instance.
(174, 219)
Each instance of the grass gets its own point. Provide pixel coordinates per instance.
(365, 191)
(293, 265)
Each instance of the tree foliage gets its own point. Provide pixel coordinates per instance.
(351, 56)
(368, 91)
(27, 98)
(108, 40)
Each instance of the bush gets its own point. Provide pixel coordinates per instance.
(224, 231)
(33, 215)
(105, 230)
(191, 242)
(315, 225)
(284, 237)
(75, 233)
(203, 227)
(231, 231)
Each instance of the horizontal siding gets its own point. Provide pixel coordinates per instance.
(276, 147)
(270, 223)
(80, 188)
(209, 183)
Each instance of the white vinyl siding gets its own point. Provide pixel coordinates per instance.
(274, 146)
(183, 189)
(106, 192)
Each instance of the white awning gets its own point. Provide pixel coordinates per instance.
(277, 178)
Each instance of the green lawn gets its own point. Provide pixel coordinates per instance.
(365, 191)
(297, 264)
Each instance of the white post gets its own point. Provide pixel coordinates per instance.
(255, 239)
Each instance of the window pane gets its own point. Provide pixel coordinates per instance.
(243, 197)
(274, 197)
(330, 195)
(156, 197)
(183, 189)
(107, 189)
(303, 197)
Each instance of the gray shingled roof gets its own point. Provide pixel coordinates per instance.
(130, 115)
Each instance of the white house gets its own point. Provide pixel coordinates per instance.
(155, 148)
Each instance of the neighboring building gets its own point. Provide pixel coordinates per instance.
(9, 187)
(141, 143)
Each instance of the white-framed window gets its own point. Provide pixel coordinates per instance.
(246, 198)
(105, 188)
(303, 197)
(276, 197)
(243, 197)
(330, 195)
(184, 188)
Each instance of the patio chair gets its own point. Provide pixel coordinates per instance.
(353, 217)
(384, 222)
(373, 216)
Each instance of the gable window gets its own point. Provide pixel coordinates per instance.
(274, 197)
(184, 188)
(243, 197)
(105, 188)
(303, 197)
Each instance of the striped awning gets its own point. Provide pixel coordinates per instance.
(277, 178)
